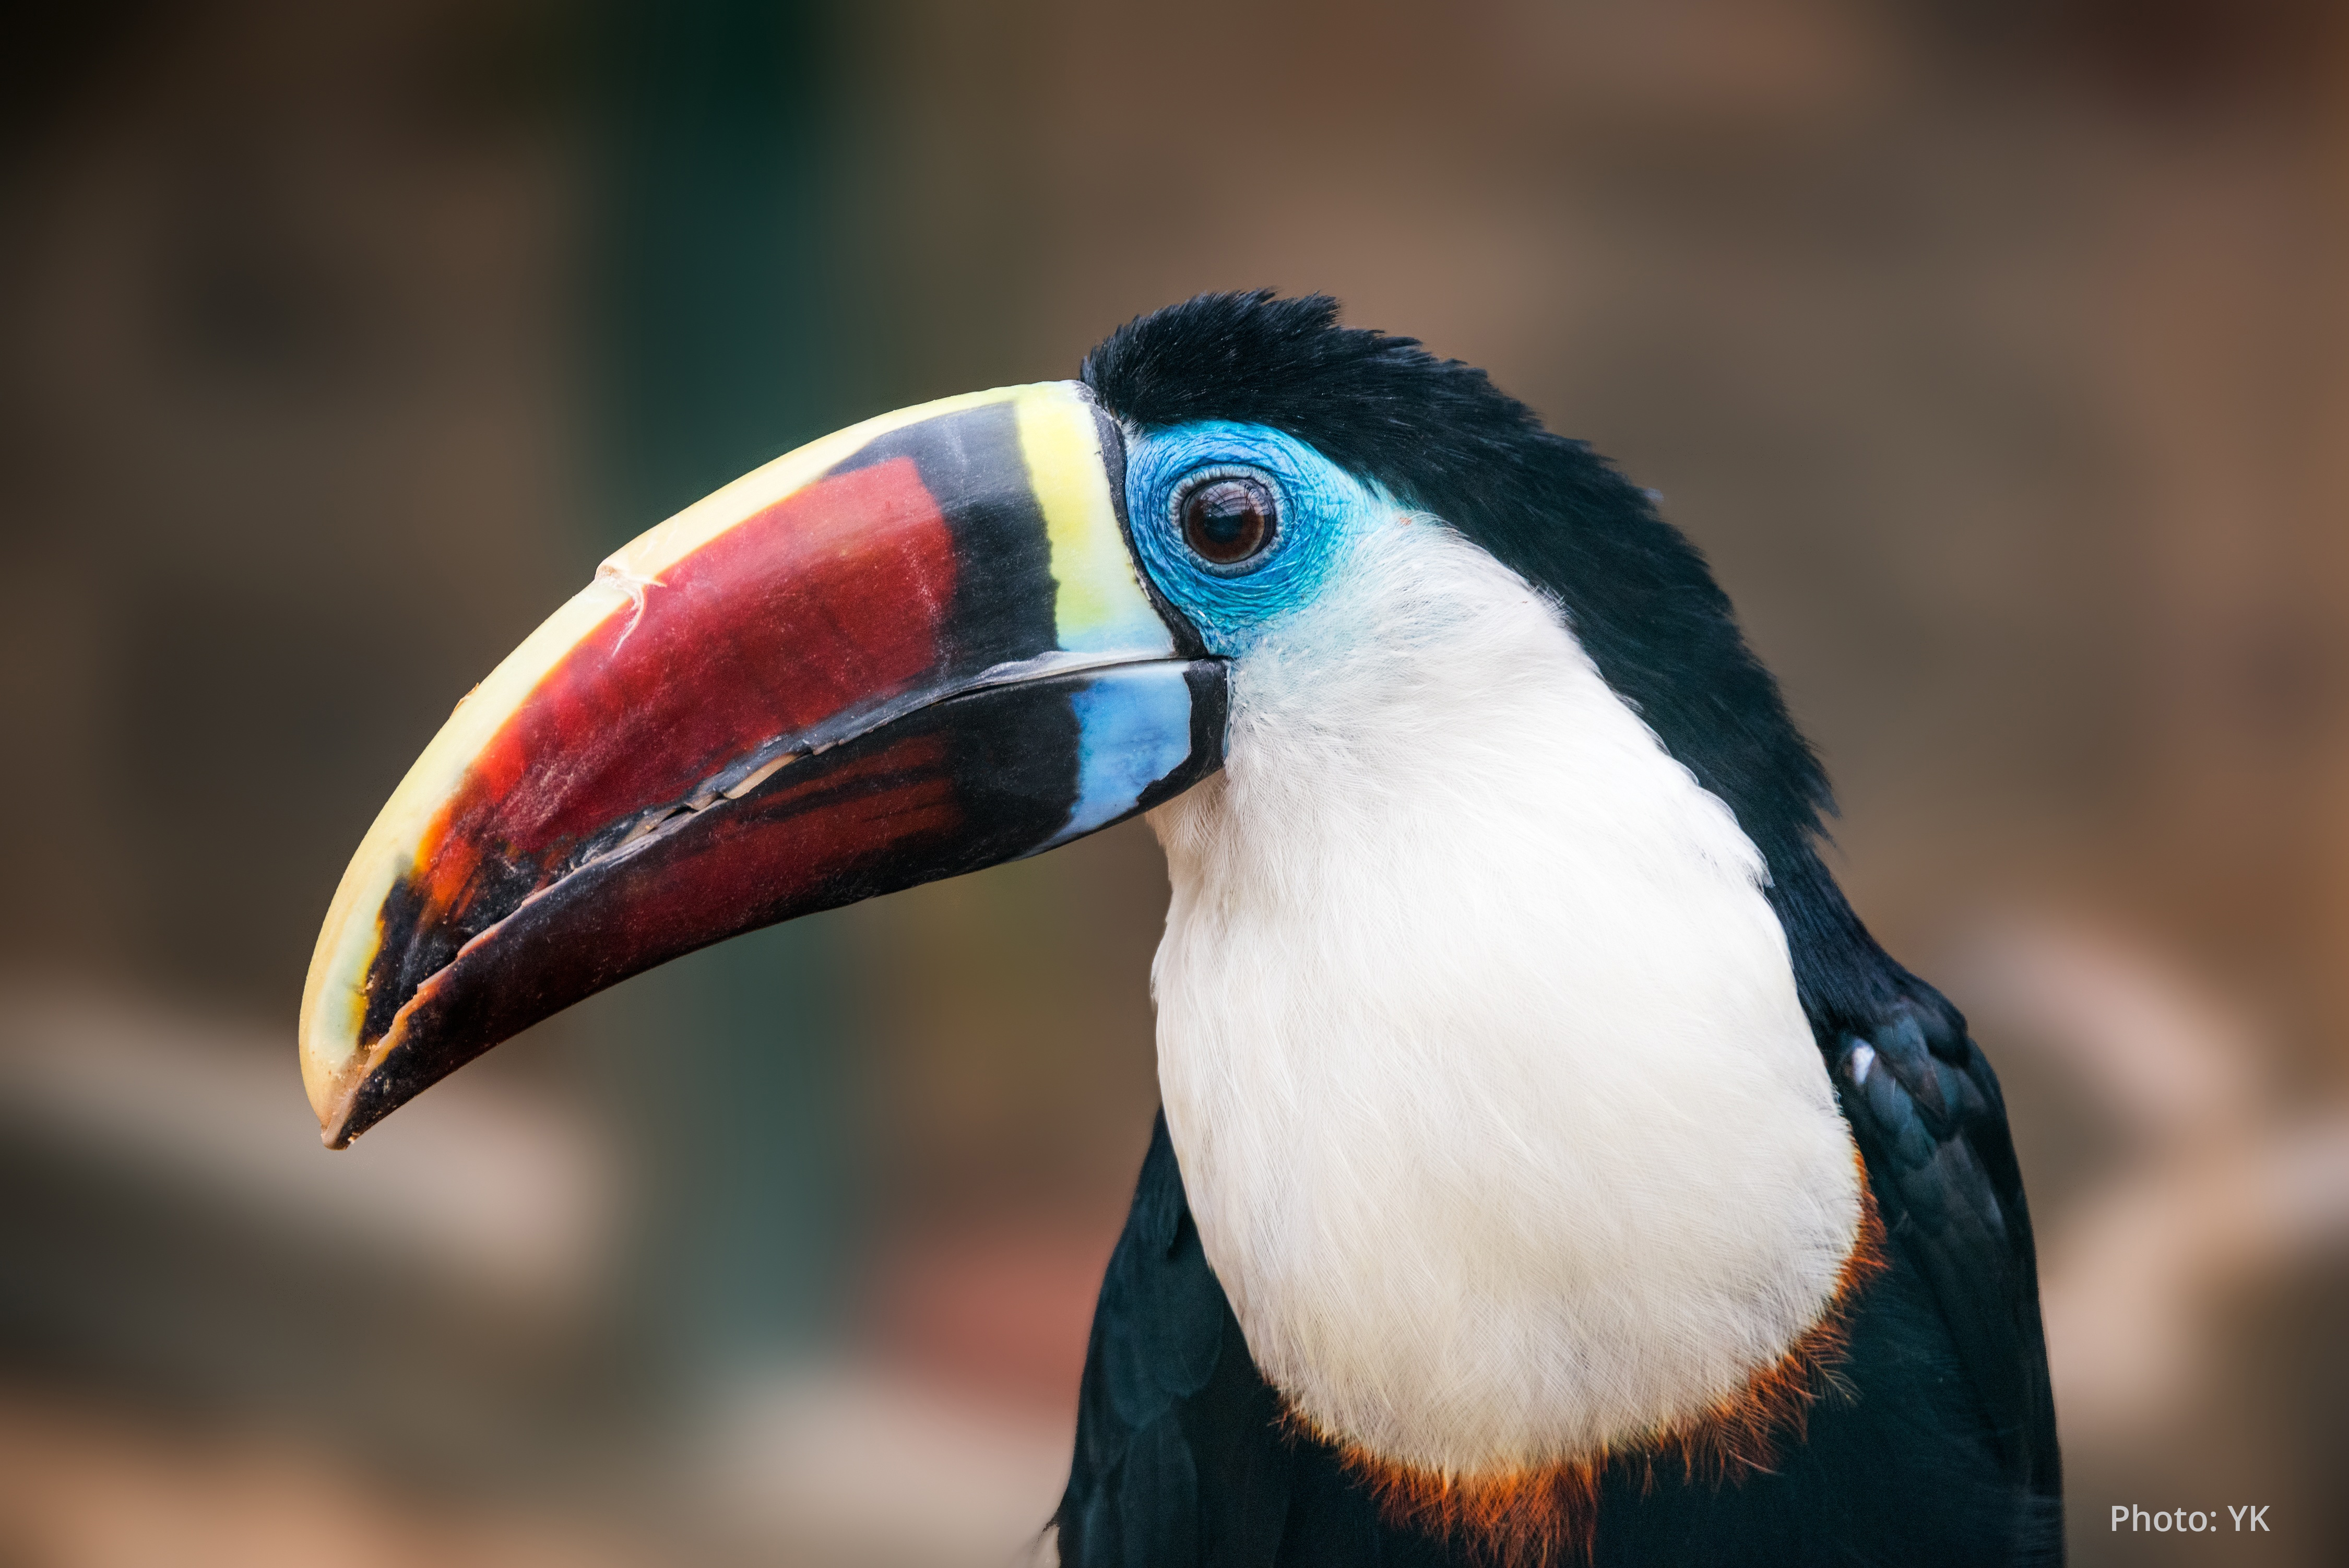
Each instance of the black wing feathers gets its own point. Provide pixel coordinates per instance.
(1926, 1111)
(1179, 1457)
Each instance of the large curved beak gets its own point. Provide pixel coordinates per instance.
(918, 647)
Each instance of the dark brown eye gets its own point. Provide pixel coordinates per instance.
(1228, 521)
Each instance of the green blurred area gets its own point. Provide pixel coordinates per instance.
(1995, 356)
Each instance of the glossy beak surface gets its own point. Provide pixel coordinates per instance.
(915, 648)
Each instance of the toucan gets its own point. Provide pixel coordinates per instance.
(1551, 1168)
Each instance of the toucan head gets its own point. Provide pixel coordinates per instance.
(965, 633)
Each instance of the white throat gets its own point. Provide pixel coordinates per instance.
(1479, 1046)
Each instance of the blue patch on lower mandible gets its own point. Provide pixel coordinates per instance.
(1134, 729)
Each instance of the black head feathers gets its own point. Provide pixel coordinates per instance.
(1439, 436)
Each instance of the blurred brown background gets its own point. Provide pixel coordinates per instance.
(1994, 352)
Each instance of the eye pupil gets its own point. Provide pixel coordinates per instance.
(1227, 521)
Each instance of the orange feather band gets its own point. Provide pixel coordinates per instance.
(1544, 1516)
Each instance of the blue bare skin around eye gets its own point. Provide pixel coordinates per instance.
(1324, 511)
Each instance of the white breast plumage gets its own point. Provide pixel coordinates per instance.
(1479, 1045)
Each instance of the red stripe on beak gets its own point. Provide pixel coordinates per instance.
(830, 599)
